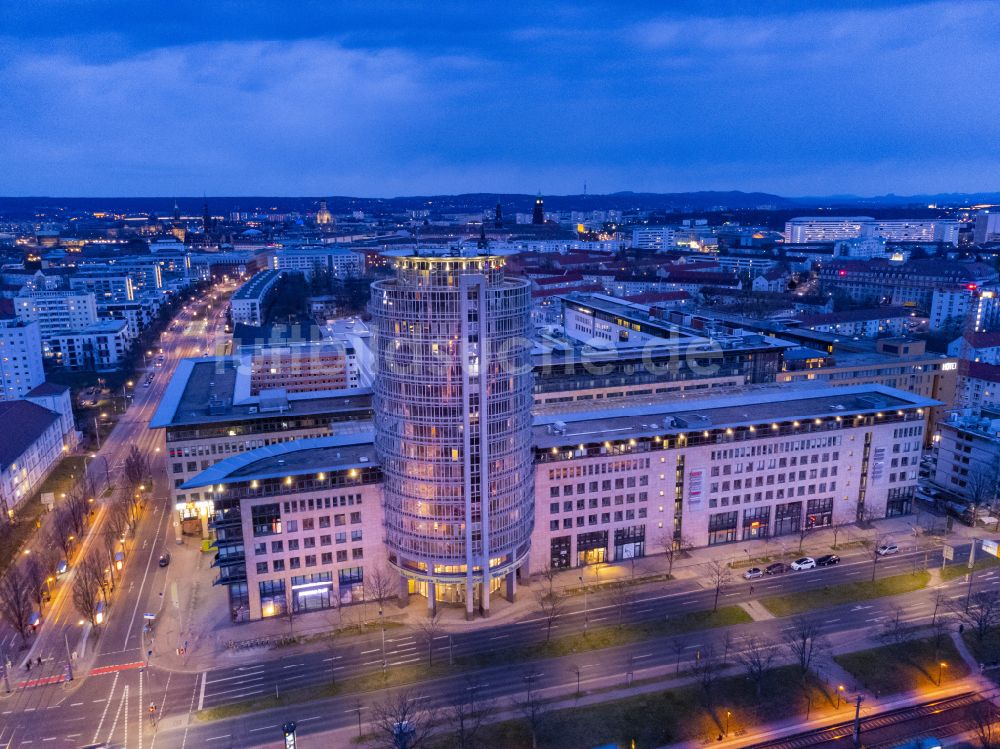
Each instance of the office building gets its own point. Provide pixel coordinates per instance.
(613, 485)
(654, 237)
(291, 539)
(452, 405)
(20, 358)
(209, 413)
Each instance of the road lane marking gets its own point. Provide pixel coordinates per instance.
(201, 698)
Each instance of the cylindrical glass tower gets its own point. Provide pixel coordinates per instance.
(453, 394)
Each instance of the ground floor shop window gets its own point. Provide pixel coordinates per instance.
(819, 512)
(559, 552)
(756, 521)
(722, 527)
(899, 502)
(787, 518)
(591, 548)
(312, 592)
(630, 543)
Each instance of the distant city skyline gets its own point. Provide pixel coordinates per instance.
(114, 98)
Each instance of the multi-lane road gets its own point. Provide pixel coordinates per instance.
(109, 702)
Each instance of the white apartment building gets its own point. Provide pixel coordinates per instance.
(826, 228)
(20, 358)
(57, 311)
(978, 385)
(987, 226)
(918, 230)
(832, 228)
(970, 307)
(99, 347)
(865, 247)
(655, 237)
(249, 304)
(337, 261)
(105, 287)
(967, 454)
(27, 452)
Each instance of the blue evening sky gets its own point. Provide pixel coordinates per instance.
(100, 97)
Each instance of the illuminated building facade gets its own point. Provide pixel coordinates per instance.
(452, 404)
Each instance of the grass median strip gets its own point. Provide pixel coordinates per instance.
(596, 639)
(685, 713)
(953, 571)
(790, 604)
(909, 665)
(599, 638)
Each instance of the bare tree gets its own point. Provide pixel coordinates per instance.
(531, 707)
(36, 569)
(379, 587)
(804, 644)
(986, 719)
(109, 539)
(76, 507)
(706, 671)
(15, 601)
(679, 646)
(756, 658)
(894, 631)
(719, 576)
(551, 607)
(135, 469)
(727, 646)
(621, 596)
(548, 574)
(837, 528)
(878, 540)
(981, 488)
(60, 533)
(87, 588)
(429, 629)
(401, 722)
(673, 548)
(466, 716)
(981, 613)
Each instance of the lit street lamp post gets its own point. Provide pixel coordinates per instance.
(586, 608)
(941, 666)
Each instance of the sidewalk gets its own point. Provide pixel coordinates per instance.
(194, 614)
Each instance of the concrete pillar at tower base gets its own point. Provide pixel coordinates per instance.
(511, 585)
(484, 597)
(403, 596)
(431, 599)
(470, 598)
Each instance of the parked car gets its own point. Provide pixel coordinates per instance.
(828, 560)
(886, 549)
(776, 569)
(805, 563)
(165, 559)
(753, 573)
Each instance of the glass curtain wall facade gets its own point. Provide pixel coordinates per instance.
(452, 402)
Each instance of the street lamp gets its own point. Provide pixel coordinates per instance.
(941, 666)
(586, 608)
(381, 621)
(840, 691)
(728, 716)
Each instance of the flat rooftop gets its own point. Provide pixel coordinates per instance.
(751, 406)
(203, 391)
(336, 453)
(252, 288)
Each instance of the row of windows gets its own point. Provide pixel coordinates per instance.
(278, 546)
(605, 517)
(626, 483)
(309, 560)
(610, 466)
(582, 504)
